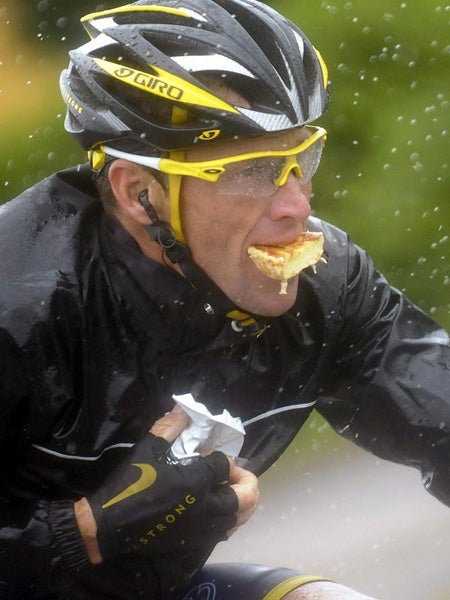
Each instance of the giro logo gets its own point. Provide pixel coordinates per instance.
(160, 84)
(204, 591)
(145, 80)
(168, 85)
(146, 480)
(212, 134)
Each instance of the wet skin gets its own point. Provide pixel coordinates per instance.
(219, 228)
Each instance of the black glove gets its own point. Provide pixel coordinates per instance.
(152, 504)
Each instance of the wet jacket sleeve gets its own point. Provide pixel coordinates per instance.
(389, 386)
(39, 540)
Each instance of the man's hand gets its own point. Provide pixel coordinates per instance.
(171, 425)
(244, 483)
(168, 427)
(153, 505)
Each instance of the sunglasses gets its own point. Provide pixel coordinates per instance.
(257, 173)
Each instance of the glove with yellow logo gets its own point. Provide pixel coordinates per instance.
(155, 505)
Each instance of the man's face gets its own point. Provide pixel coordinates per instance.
(219, 227)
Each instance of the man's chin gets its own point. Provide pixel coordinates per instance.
(270, 300)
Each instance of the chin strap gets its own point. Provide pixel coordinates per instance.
(214, 300)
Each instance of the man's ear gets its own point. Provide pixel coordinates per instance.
(127, 180)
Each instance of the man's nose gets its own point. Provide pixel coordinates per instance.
(291, 200)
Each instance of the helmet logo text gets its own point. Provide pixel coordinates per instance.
(145, 80)
(166, 85)
(71, 101)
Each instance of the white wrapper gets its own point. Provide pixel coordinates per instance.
(206, 432)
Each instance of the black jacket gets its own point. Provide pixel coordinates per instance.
(95, 339)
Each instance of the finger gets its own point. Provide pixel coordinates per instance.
(223, 503)
(244, 515)
(170, 425)
(245, 484)
(219, 465)
(240, 476)
(222, 500)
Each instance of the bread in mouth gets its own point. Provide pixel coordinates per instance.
(285, 262)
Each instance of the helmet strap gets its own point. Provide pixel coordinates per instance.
(179, 116)
(174, 199)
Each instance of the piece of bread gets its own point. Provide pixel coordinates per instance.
(285, 262)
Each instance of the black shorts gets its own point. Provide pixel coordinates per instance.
(237, 581)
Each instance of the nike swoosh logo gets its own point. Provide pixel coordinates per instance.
(146, 480)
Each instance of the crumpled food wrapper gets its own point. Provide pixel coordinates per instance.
(206, 432)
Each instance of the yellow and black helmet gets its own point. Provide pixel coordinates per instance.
(143, 81)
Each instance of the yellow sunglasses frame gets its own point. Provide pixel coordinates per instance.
(211, 170)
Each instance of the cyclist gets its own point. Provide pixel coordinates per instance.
(127, 281)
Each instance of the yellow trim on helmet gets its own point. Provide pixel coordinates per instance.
(164, 85)
(280, 590)
(323, 67)
(128, 8)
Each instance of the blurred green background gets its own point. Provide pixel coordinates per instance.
(384, 176)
